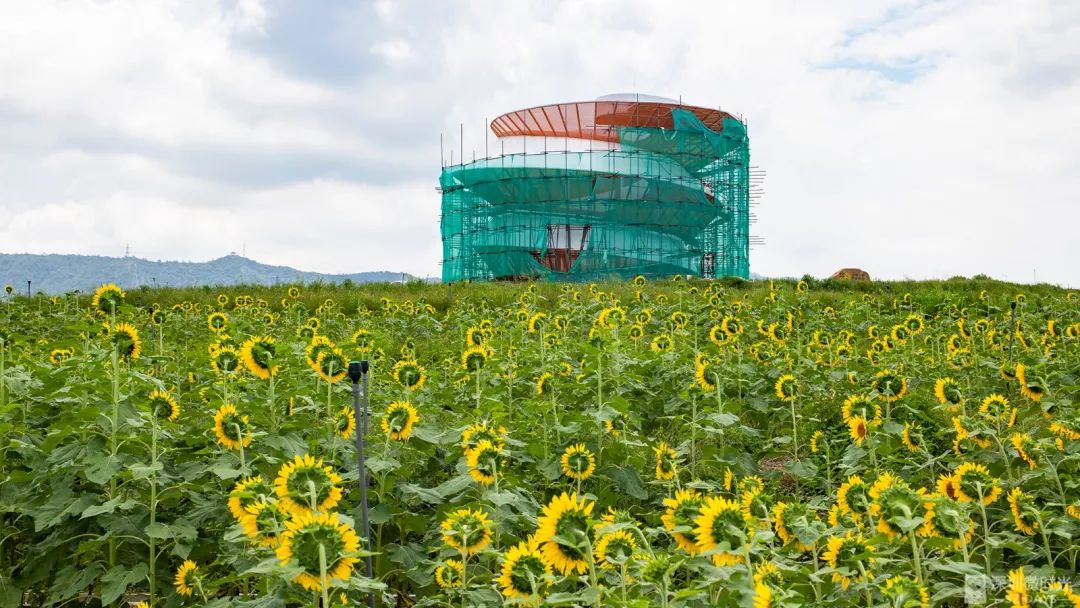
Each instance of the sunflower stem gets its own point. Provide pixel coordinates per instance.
(1046, 540)
(592, 571)
(153, 505)
(794, 430)
(240, 442)
(865, 583)
(986, 528)
(917, 556)
(323, 582)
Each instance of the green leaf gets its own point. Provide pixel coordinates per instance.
(627, 480)
(159, 530)
(803, 469)
(116, 581)
(380, 514)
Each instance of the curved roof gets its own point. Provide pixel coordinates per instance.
(598, 120)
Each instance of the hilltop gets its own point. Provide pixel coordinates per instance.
(55, 273)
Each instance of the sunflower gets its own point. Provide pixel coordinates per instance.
(732, 327)
(973, 480)
(1029, 387)
(615, 425)
(839, 519)
(467, 531)
(541, 382)
(164, 405)
(125, 339)
(106, 300)
(305, 485)
(232, 429)
(701, 373)
(718, 336)
(661, 344)
(845, 554)
(948, 392)
(678, 320)
(721, 530)
(853, 496)
(225, 360)
(858, 429)
(305, 333)
(906, 437)
(188, 579)
(563, 531)
(247, 492)
(578, 462)
(889, 385)
(614, 549)
(258, 354)
(475, 433)
(409, 374)
(450, 574)
(331, 365)
(474, 358)
(315, 348)
(666, 461)
(345, 422)
(398, 421)
(309, 534)
(787, 387)
(636, 331)
(1018, 441)
(860, 405)
(996, 407)
(262, 522)
(754, 503)
(524, 572)
(59, 355)
(1065, 430)
(784, 513)
(1017, 594)
(483, 461)
(762, 595)
(217, 322)
(949, 520)
(611, 317)
(1021, 506)
(776, 333)
(894, 503)
(907, 592)
(815, 441)
(293, 292)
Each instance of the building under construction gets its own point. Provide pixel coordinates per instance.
(604, 189)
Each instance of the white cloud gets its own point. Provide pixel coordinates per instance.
(913, 139)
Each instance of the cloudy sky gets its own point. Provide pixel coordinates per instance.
(912, 139)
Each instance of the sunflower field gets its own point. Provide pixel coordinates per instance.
(673, 443)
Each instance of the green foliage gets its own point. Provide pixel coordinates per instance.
(105, 494)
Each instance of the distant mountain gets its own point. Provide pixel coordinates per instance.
(60, 273)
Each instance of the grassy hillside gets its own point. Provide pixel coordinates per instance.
(63, 273)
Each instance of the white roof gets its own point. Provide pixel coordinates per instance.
(636, 97)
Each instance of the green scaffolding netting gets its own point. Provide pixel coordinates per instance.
(668, 201)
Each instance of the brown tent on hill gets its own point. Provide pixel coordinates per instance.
(851, 274)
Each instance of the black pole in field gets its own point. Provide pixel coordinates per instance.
(1012, 334)
(358, 370)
